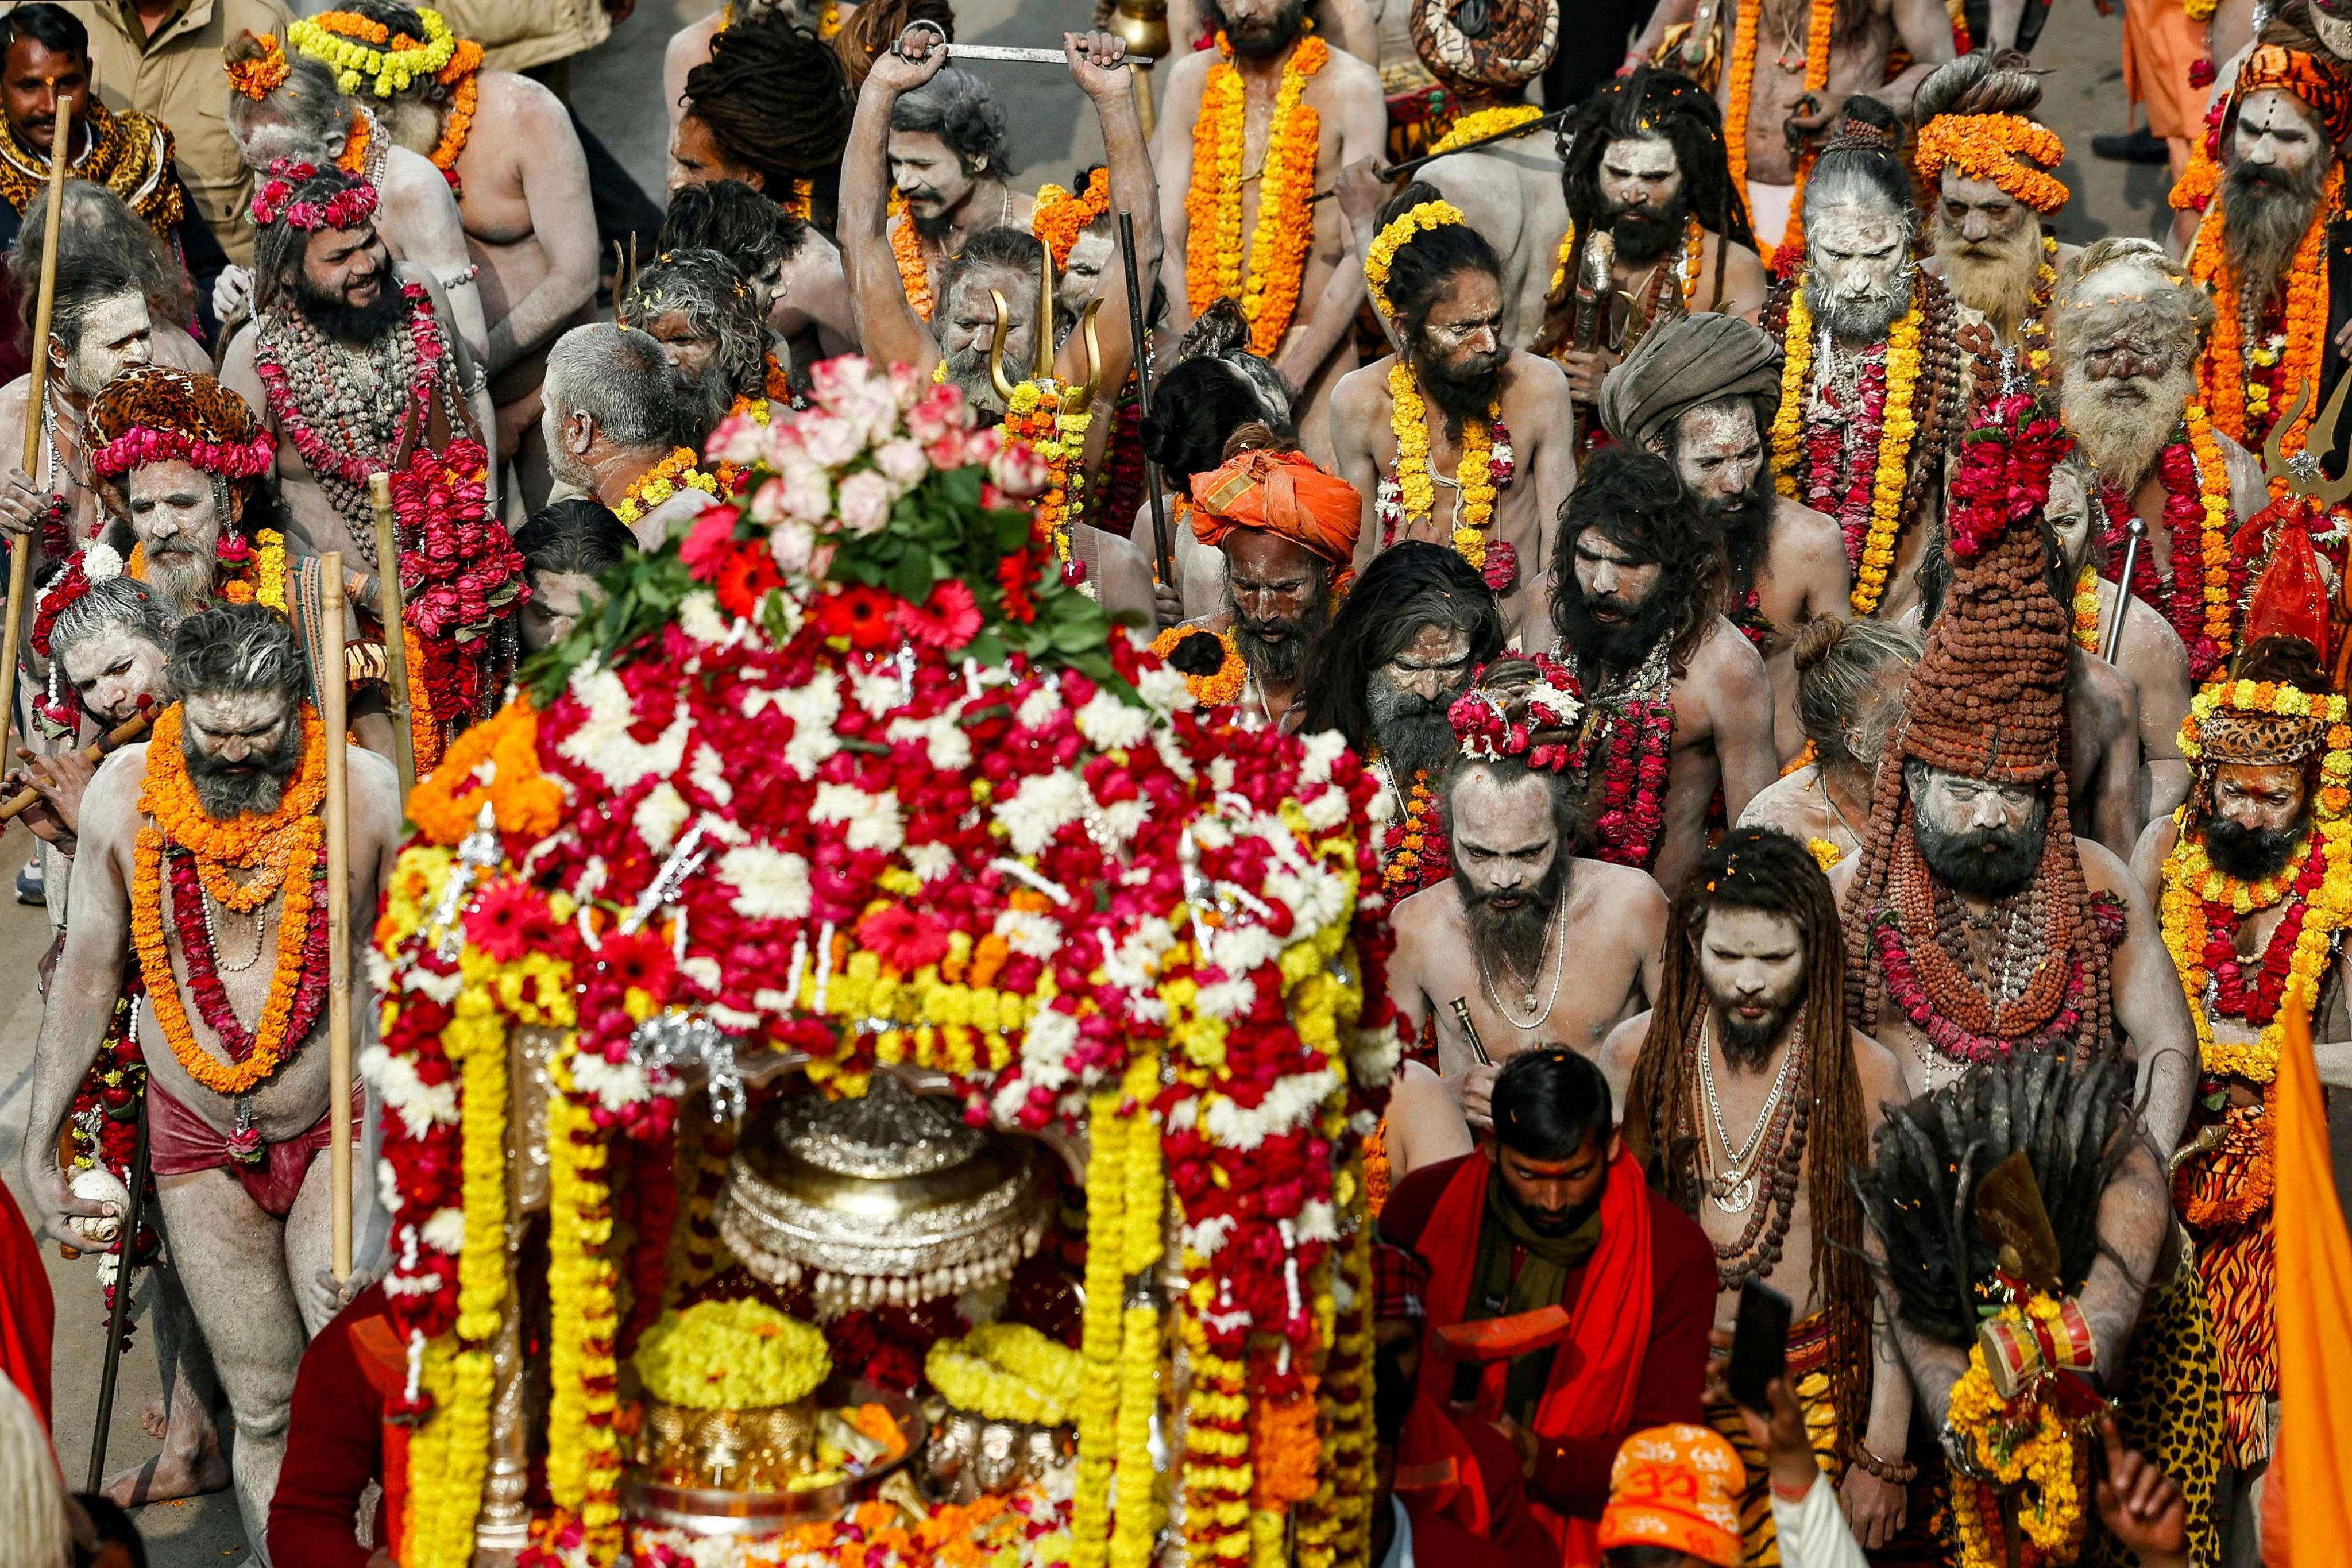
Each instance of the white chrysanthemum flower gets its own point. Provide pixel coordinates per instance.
(944, 741)
(1113, 725)
(872, 821)
(708, 774)
(1322, 750)
(1038, 708)
(877, 692)
(769, 885)
(1326, 811)
(659, 817)
(930, 860)
(101, 562)
(698, 616)
(1288, 1105)
(1029, 933)
(444, 1232)
(615, 1086)
(1165, 689)
(603, 743)
(1044, 805)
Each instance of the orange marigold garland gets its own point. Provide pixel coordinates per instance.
(1819, 26)
(914, 273)
(2007, 149)
(1221, 687)
(1062, 215)
(2225, 371)
(1277, 247)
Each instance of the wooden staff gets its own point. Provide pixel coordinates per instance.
(20, 558)
(118, 1320)
(394, 606)
(335, 689)
(1139, 333)
(121, 735)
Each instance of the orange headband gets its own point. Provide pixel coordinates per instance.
(2316, 81)
(2008, 150)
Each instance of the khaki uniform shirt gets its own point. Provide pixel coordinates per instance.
(177, 75)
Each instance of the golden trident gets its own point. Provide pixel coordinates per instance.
(1079, 396)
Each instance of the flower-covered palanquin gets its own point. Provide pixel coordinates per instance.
(848, 781)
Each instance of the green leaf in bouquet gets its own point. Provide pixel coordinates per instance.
(911, 576)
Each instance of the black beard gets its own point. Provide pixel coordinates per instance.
(712, 397)
(1746, 520)
(1550, 1225)
(228, 790)
(346, 322)
(1603, 649)
(1519, 934)
(1984, 862)
(1280, 33)
(1462, 389)
(1748, 1045)
(1413, 733)
(1283, 659)
(2266, 213)
(2250, 854)
(1643, 233)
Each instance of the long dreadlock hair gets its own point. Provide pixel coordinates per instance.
(775, 100)
(1764, 869)
(1649, 102)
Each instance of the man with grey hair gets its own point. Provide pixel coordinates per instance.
(697, 305)
(99, 326)
(307, 118)
(614, 407)
(238, 1084)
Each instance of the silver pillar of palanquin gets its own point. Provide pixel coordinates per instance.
(503, 1525)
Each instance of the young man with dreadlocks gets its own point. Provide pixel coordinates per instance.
(696, 304)
(1480, 972)
(1700, 392)
(1748, 1099)
(1644, 169)
(1989, 164)
(1872, 386)
(1455, 397)
(1978, 928)
(522, 184)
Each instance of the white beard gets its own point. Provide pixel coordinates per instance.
(2121, 440)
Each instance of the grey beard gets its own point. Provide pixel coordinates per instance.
(181, 578)
(2122, 439)
(1859, 320)
(225, 793)
(2000, 286)
(969, 370)
(1412, 734)
(2264, 224)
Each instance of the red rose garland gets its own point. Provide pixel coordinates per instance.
(2182, 600)
(204, 972)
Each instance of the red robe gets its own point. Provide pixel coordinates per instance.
(29, 1312)
(337, 1441)
(1636, 1353)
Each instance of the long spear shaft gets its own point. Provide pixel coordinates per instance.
(20, 557)
(1139, 333)
(119, 1318)
(334, 689)
(2134, 531)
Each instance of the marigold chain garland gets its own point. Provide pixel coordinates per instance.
(1276, 248)
(2199, 601)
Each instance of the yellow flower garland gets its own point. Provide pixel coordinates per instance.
(584, 1459)
(1382, 254)
(2086, 608)
(2054, 1460)
(1135, 1500)
(738, 1354)
(660, 482)
(1417, 487)
(1481, 123)
(1285, 225)
(1035, 413)
(387, 70)
(1008, 1372)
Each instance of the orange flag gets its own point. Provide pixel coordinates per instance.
(2315, 1316)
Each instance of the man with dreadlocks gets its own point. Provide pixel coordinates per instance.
(1748, 1099)
(1644, 169)
(1979, 929)
(696, 305)
(693, 44)
(522, 190)
(1480, 957)
(2252, 907)
(1700, 392)
(792, 267)
(1683, 705)
(1786, 65)
(770, 108)
(1454, 396)
(1872, 383)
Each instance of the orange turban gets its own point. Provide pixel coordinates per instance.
(1677, 1487)
(1283, 493)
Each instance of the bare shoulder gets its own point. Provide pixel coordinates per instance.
(509, 95)
(1785, 802)
(111, 801)
(2104, 871)
(375, 795)
(1880, 1073)
(690, 44)
(15, 396)
(2149, 637)
(1726, 671)
(1427, 913)
(1187, 75)
(1343, 73)
(1618, 892)
(1803, 537)
(1842, 876)
(1363, 393)
(2156, 845)
(410, 179)
(1537, 387)
(1621, 1053)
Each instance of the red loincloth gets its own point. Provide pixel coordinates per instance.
(29, 1312)
(1466, 1476)
(1636, 1354)
(180, 1143)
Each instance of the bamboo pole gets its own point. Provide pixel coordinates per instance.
(335, 689)
(20, 558)
(395, 604)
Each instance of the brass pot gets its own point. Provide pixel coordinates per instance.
(970, 1456)
(760, 1449)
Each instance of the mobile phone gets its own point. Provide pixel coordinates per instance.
(1759, 1344)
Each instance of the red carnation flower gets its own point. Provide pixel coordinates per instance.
(507, 921)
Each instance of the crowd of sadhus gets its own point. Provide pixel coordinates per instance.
(1857, 684)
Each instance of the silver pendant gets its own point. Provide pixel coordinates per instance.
(1735, 1193)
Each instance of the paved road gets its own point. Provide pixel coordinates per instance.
(1053, 137)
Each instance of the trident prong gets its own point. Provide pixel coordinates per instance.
(1081, 396)
(2308, 479)
(997, 345)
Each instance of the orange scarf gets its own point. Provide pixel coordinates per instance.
(1595, 1374)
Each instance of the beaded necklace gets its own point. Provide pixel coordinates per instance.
(1761, 1182)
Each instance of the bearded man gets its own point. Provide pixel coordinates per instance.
(1701, 392)
(237, 1093)
(1850, 680)
(1978, 926)
(292, 108)
(792, 267)
(1875, 364)
(1787, 66)
(951, 158)
(1277, 100)
(697, 306)
(2262, 250)
(2130, 329)
(1747, 1098)
(1645, 168)
(522, 195)
(1415, 627)
(99, 327)
(1990, 165)
(1683, 706)
(1480, 957)
(1555, 1214)
(1456, 397)
(1287, 532)
(2240, 873)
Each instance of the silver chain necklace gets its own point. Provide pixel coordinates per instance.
(1554, 940)
(1734, 1188)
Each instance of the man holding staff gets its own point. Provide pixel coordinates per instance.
(201, 846)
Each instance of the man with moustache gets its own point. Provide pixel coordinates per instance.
(1555, 1213)
(1454, 397)
(2225, 874)
(697, 306)
(1978, 925)
(1746, 1099)
(950, 161)
(2263, 249)
(1683, 706)
(1701, 392)
(1480, 959)
(1287, 532)
(1645, 166)
(1989, 164)
(2131, 326)
(99, 327)
(1234, 164)
(1874, 334)
(1416, 626)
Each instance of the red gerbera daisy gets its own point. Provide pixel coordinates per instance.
(905, 940)
(946, 620)
(509, 920)
(746, 578)
(640, 959)
(859, 613)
